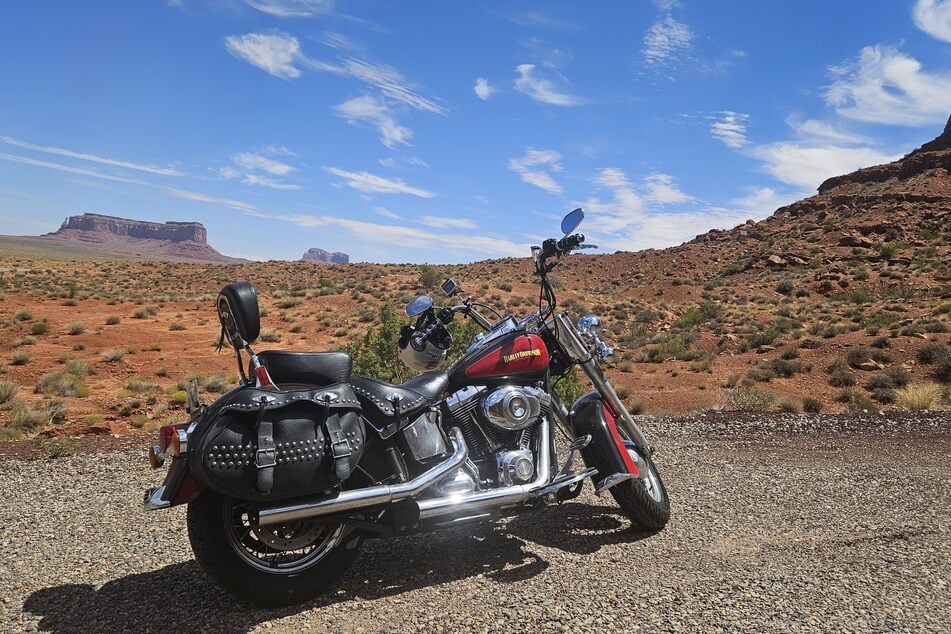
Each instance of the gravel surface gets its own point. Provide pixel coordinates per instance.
(780, 523)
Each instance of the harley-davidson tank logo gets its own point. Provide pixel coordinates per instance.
(522, 354)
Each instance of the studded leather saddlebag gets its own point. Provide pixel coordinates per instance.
(262, 445)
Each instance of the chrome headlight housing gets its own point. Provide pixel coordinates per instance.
(590, 325)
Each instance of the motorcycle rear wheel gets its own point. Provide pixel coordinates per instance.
(269, 566)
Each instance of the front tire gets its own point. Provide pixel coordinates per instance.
(269, 566)
(644, 500)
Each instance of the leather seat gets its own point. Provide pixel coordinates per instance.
(404, 401)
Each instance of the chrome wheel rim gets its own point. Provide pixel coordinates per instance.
(281, 548)
(648, 474)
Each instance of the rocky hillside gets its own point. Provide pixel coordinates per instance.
(123, 238)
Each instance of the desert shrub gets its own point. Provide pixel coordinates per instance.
(76, 328)
(138, 386)
(763, 338)
(179, 397)
(899, 375)
(79, 346)
(79, 368)
(430, 276)
(26, 418)
(142, 312)
(672, 348)
(23, 315)
(59, 384)
(857, 355)
(785, 287)
(790, 404)
(112, 355)
(840, 374)
(811, 405)
(176, 326)
(163, 372)
(789, 353)
(919, 396)
(637, 405)
(761, 373)
(786, 367)
(748, 399)
(19, 342)
(861, 404)
(8, 390)
(39, 328)
(217, 383)
(269, 336)
(19, 357)
(112, 320)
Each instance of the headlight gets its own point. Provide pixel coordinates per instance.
(590, 325)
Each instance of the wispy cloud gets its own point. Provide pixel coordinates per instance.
(386, 213)
(252, 161)
(261, 169)
(534, 168)
(46, 149)
(292, 8)
(264, 181)
(660, 188)
(886, 86)
(373, 184)
(67, 168)
(539, 20)
(730, 128)
(376, 113)
(386, 78)
(806, 164)
(666, 40)
(542, 89)
(823, 131)
(275, 53)
(205, 198)
(439, 222)
(934, 18)
(483, 89)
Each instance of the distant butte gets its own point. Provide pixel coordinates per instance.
(320, 256)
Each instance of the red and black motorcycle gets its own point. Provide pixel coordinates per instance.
(286, 474)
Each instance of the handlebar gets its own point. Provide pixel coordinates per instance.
(552, 247)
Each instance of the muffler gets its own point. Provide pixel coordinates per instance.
(347, 501)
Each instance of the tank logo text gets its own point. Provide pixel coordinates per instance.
(534, 352)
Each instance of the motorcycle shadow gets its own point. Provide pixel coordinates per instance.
(181, 597)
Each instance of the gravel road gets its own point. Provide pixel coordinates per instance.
(780, 523)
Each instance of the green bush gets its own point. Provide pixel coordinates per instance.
(39, 328)
(748, 399)
(112, 355)
(8, 390)
(76, 328)
(19, 357)
(59, 384)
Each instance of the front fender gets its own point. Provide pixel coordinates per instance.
(607, 452)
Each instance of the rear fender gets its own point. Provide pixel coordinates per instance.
(590, 414)
(179, 487)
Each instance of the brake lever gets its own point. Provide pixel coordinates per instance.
(587, 246)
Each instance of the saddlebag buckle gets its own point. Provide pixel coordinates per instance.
(340, 449)
(269, 458)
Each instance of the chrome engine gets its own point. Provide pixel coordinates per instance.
(499, 426)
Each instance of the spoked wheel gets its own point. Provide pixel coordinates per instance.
(644, 500)
(274, 565)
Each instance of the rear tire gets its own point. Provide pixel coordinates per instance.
(268, 566)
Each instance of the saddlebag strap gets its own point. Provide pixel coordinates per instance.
(266, 456)
(340, 448)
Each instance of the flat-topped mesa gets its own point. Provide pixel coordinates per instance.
(324, 257)
(170, 231)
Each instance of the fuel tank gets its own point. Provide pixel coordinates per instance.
(513, 355)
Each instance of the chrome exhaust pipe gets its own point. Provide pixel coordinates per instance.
(476, 503)
(373, 496)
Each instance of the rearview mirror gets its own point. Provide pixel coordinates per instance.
(571, 220)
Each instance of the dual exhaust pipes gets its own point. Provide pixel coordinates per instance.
(348, 501)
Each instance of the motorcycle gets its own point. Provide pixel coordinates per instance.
(285, 475)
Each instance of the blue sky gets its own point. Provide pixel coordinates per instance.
(449, 132)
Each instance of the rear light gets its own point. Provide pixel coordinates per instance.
(173, 442)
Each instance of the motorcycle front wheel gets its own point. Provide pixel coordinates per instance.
(644, 500)
(271, 566)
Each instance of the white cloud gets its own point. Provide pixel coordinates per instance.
(660, 188)
(292, 8)
(665, 40)
(731, 129)
(528, 168)
(806, 165)
(383, 77)
(440, 222)
(204, 198)
(372, 184)
(263, 181)
(823, 131)
(376, 113)
(886, 86)
(386, 213)
(151, 169)
(251, 161)
(483, 89)
(934, 18)
(541, 89)
(276, 53)
(66, 168)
